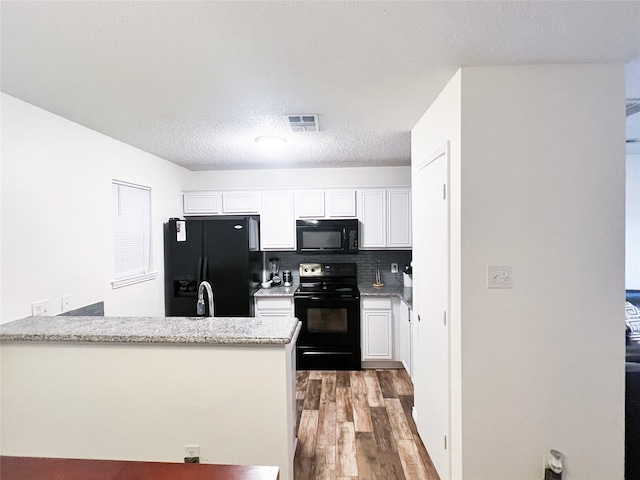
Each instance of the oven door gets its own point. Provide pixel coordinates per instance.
(330, 333)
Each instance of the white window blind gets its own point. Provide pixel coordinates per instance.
(131, 233)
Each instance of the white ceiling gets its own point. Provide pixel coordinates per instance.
(196, 82)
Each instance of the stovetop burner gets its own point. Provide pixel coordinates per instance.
(328, 279)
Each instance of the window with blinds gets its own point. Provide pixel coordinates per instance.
(131, 233)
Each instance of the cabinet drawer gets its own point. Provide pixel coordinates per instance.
(379, 303)
(279, 303)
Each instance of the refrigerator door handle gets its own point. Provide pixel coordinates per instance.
(199, 275)
(205, 268)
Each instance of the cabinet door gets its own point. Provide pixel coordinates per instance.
(310, 204)
(377, 335)
(377, 338)
(240, 202)
(404, 338)
(399, 218)
(277, 221)
(373, 217)
(201, 203)
(341, 203)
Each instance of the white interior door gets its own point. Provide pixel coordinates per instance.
(431, 295)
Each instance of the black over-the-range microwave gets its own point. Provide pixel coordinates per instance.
(327, 236)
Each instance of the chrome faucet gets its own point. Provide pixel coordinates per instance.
(200, 307)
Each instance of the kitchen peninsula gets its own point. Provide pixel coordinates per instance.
(142, 388)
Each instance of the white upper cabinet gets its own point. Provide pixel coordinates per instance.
(399, 218)
(372, 215)
(335, 203)
(341, 203)
(310, 203)
(241, 202)
(201, 203)
(384, 213)
(215, 202)
(386, 218)
(277, 221)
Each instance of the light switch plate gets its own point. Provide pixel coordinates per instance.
(499, 276)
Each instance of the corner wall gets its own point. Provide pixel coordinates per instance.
(56, 213)
(441, 123)
(542, 180)
(543, 184)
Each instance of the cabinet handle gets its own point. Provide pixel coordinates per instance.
(418, 317)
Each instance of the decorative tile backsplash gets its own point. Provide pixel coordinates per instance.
(93, 310)
(366, 260)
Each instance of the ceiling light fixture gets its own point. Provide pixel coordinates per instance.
(271, 143)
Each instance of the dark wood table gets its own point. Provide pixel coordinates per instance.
(32, 468)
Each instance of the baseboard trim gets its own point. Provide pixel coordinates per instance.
(381, 364)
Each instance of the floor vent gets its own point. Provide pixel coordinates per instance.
(303, 123)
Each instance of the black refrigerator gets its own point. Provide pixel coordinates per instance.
(223, 251)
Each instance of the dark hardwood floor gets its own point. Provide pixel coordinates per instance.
(357, 425)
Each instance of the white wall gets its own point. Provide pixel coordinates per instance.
(146, 402)
(442, 123)
(56, 213)
(301, 178)
(542, 180)
(632, 272)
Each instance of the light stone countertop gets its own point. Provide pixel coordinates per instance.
(276, 292)
(405, 294)
(366, 290)
(175, 330)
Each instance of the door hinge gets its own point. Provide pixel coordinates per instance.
(444, 191)
(445, 442)
(445, 317)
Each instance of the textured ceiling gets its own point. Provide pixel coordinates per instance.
(196, 82)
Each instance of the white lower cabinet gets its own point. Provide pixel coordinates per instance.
(377, 322)
(403, 337)
(274, 307)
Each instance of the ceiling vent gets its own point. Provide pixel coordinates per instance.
(303, 122)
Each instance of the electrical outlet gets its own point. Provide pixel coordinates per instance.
(394, 268)
(66, 303)
(40, 308)
(192, 454)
